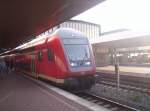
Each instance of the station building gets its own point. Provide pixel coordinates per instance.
(91, 30)
(130, 47)
(102, 56)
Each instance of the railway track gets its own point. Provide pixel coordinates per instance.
(109, 104)
(127, 87)
(134, 83)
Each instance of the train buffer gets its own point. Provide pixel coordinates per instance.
(21, 93)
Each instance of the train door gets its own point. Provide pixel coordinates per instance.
(39, 61)
(33, 69)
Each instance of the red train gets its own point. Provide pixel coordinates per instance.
(64, 57)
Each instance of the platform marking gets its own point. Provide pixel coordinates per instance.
(6, 96)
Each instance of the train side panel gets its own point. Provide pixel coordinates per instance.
(51, 64)
(59, 57)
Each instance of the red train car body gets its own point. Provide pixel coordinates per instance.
(64, 57)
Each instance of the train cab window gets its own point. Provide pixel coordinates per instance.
(50, 54)
(40, 55)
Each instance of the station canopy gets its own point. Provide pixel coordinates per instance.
(23, 19)
(124, 39)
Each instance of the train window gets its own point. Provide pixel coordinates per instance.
(50, 54)
(40, 55)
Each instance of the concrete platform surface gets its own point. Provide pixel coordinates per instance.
(18, 93)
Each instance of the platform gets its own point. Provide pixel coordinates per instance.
(126, 70)
(18, 93)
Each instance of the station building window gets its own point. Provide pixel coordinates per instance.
(71, 24)
(74, 26)
(65, 25)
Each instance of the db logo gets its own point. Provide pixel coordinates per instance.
(82, 73)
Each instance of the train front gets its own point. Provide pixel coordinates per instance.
(80, 60)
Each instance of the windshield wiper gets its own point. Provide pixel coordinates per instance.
(83, 59)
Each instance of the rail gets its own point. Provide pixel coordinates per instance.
(109, 104)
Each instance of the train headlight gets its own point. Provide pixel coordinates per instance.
(87, 63)
(73, 64)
